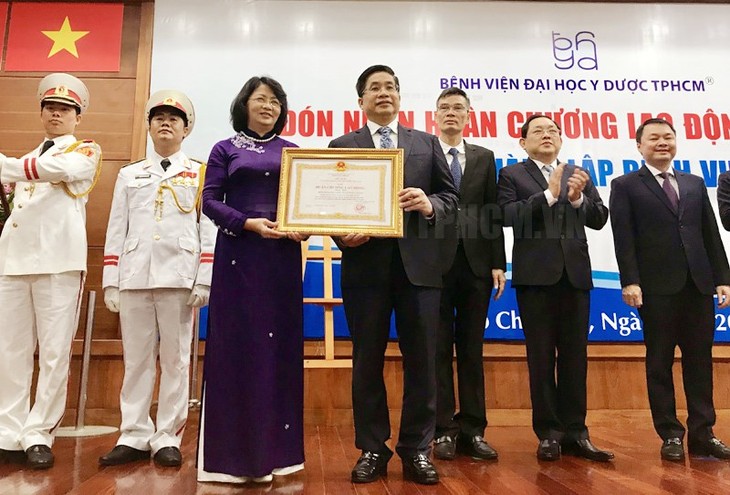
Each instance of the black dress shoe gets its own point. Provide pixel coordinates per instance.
(672, 450)
(548, 450)
(123, 454)
(585, 448)
(168, 457)
(371, 466)
(476, 448)
(12, 456)
(444, 448)
(712, 447)
(39, 457)
(420, 469)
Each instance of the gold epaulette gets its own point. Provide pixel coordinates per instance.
(97, 173)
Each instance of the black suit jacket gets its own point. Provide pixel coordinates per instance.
(723, 198)
(659, 248)
(548, 240)
(479, 224)
(425, 167)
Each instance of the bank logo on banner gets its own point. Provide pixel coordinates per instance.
(65, 37)
(579, 50)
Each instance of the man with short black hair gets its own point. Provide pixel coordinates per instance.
(477, 266)
(671, 261)
(158, 260)
(549, 204)
(43, 253)
(382, 275)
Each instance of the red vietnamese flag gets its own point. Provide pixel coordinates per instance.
(64, 37)
(3, 18)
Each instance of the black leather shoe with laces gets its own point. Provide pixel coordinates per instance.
(672, 450)
(123, 454)
(476, 448)
(585, 448)
(420, 469)
(39, 457)
(444, 448)
(168, 457)
(712, 447)
(370, 466)
(548, 450)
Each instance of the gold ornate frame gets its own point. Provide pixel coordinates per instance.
(381, 169)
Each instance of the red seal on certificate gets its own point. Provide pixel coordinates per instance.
(341, 166)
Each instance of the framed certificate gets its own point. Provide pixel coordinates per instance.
(339, 191)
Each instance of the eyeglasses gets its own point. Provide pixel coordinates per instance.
(263, 101)
(456, 108)
(539, 131)
(388, 88)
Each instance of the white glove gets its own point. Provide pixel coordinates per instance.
(111, 299)
(199, 296)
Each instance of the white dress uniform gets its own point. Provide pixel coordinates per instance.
(42, 267)
(158, 247)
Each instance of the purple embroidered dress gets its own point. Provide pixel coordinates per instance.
(251, 421)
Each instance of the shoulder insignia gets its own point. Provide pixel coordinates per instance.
(133, 163)
(85, 151)
(196, 161)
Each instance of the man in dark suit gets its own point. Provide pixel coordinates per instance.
(671, 261)
(476, 252)
(380, 275)
(548, 204)
(723, 198)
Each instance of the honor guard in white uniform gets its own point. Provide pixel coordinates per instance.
(158, 260)
(42, 269)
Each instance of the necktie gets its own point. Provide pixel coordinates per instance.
(455, 167)
(669, 191)
(549, 169)
(46, 146)
(385, 141)
(165, 163)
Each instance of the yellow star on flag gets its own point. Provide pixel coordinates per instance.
(65, 39)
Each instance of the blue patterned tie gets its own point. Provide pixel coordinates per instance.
(455, 167)
(385, 141)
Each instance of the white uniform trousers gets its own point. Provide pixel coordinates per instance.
(155, 320)
(36, 310)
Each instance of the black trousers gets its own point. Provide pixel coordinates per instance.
(368, 311)
(555, 322)
(464, 305)
(687, 320)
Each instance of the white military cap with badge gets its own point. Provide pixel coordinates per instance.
(175, 99)
(64, 88)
